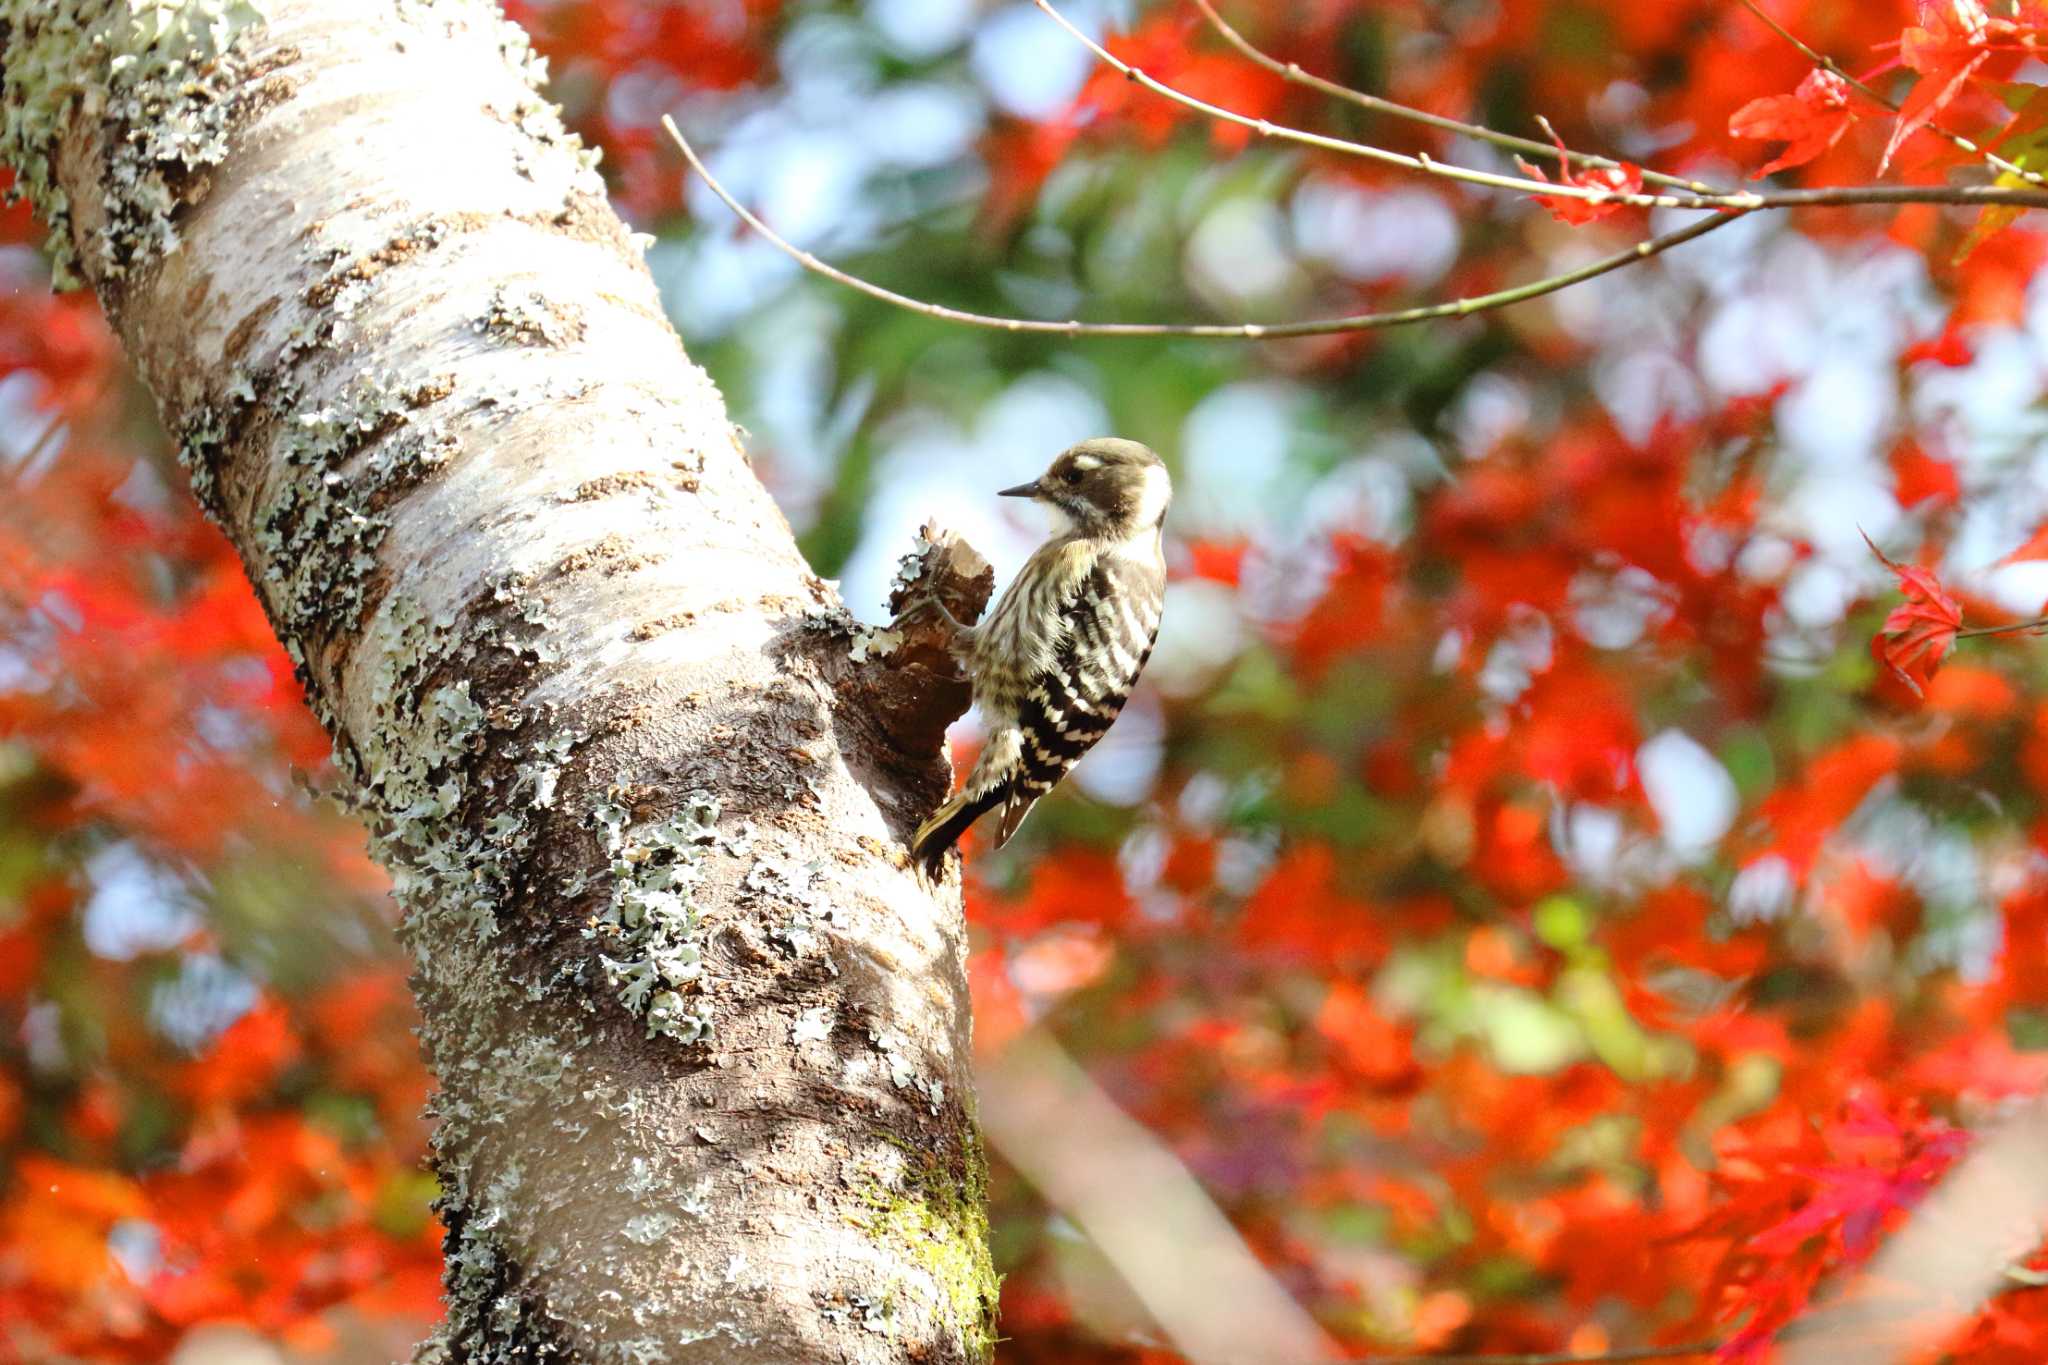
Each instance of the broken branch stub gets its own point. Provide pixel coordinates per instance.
(928, 690)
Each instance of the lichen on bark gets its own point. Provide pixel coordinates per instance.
(163, 75)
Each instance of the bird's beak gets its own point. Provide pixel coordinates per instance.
(1022, 490)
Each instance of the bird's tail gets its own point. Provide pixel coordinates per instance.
(948, 823)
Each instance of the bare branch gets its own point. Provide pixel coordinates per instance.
(1343, 146)
(919, 688)
(1143, 1210)
(2011, 196)
(1291, 71)
(41, 445)
(1695, 195)
(1934, 1273)
(1356, 322)
(2014, 628)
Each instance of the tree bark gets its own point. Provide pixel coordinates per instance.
(701, 1032)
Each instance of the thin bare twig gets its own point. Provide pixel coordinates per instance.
(1357, 322)
(1291, 71)
(42, 442)
(1835, 68)
(1979, 632)
(1731, 205)
(1343, 146)
(2010, 196)
(1819, 59)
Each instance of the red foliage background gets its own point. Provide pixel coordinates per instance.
(1462, 1085)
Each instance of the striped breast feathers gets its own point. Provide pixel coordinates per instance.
(1030, 622)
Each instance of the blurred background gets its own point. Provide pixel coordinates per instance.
(1516, 900)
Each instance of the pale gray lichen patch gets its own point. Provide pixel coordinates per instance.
(541, 121)
(867, 1311)
(892, 1045)
(418, 787)
(646, 1229)
(473, 1259)
(516, 594)
(513, 1080)
(696, 1201)
(541, 774)
(874, 642)
(797, 899)
(319, 530)
(162, 76)
(204, 439)
(410, 768)
(523, 316)
(911, 568)
(814, 1025)
(457, 831)
(491, 1316)
(650, 931)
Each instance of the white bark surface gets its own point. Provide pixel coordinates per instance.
(701, 1033)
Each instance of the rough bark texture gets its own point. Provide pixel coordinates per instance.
(701, 1033)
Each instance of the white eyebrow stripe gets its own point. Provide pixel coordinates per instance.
(1087, 462)
(1153, 496)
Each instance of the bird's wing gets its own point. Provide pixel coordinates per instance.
(1109, 620)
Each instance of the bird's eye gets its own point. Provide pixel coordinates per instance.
(1072, 476)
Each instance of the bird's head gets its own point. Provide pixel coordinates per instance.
(1110, 489)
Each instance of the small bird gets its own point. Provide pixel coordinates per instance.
(1054, 662)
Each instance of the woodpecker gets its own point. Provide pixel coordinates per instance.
(1054, 662)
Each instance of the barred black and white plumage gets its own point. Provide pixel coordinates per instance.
(1054, 662)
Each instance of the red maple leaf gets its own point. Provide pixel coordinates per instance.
(1951, 348)
(2033, 547)
(1219, 561)
(1920, 630)
(1951, 44)
(1626, 178)
(1918, 477)
(1946, 53)
(1794, 1212)
(1808, 121)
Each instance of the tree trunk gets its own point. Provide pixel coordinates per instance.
(701, 1032)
